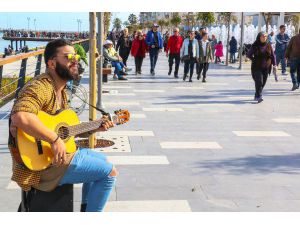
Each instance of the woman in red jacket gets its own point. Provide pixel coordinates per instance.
(138, 51)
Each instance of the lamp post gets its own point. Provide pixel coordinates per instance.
(242, 41)
(28, 19)
(34, 20)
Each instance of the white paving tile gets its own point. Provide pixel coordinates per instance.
(139, 160)
(190, 145)
(215, 84)
(215, 104)
(12, 186)
(162, 109)
(241, 97)
(116, 87)
(120, 104)
(261, 133)
(148, 206)
(140, 133)
(137, 116)
(121, 144)
(148, 91)
(189, 88)
(287, 120)
(120, 94)
(246, 81)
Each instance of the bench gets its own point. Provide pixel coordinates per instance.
(105, 73)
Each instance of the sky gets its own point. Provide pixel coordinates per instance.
(51, 21)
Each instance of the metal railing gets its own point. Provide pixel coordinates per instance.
(7, 90)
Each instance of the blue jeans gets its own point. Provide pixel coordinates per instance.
(118, 67)
(153, 52)
(295, 67)
(281, 59)
(92, 169)
(232, 57)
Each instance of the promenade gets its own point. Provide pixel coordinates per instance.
(193, 146)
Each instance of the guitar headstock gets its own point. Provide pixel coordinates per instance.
(120, 117)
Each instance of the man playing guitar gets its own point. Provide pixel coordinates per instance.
(47, 93)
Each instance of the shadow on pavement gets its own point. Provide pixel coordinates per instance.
(287, 164)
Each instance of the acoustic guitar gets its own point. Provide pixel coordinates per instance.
(36, 154)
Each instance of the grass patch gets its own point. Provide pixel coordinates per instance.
(8, 88)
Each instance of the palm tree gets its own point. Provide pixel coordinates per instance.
(175, 20)
(227, 18)
(117, 24)
(161, 23)
(206, 18)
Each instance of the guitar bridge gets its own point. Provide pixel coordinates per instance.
(39, 146)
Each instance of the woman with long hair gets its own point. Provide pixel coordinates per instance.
(262, 56)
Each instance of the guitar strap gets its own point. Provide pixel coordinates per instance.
(95, 107)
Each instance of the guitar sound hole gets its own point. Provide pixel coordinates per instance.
(63, 132)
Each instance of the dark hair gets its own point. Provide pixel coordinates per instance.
(282, 26)
(204, 33)
(220, 42)
(51, 48)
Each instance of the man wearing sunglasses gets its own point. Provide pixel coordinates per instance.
(173, 51)
(47, 93)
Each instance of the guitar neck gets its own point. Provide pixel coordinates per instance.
(84, 127)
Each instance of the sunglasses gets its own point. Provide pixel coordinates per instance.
(72, 57)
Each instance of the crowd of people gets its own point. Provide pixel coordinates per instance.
(45, 34)
(198, 49)
(195, 47)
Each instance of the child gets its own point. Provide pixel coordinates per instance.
(219, 51)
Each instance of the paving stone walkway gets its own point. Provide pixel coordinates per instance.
(195, 146)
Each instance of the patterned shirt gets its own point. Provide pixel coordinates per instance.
(38, 94)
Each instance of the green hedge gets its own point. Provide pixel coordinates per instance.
(9, 88)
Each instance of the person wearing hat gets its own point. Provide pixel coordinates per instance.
(155, 43)
(262, 56)
(173, 51)
(111, 56)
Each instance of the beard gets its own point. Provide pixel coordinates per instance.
(65, 73)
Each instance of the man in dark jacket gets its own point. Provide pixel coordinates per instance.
(233, 49)
(155, 43)
(293, 55)
(124, 45)
(282, 40)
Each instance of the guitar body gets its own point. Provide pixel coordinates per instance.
(37, 155)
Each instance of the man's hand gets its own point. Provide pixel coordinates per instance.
(152, 46)
(160, 50)
(167, 54)
(106, 125)
(59, 152)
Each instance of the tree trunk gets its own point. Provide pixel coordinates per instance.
(227, 44)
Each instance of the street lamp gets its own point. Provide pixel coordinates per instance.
(28, 19)
(34, 20)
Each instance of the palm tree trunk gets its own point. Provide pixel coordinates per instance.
(227, 44)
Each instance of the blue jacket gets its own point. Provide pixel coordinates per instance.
(150, 39)
(281, 42)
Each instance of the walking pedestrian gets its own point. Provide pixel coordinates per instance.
(262, 56)
(233, 49)
(219, 52)
(155, 43)
(173, 51)
(282, 40)
(293, 55)
(124, 46)
(189, 54)
(138, 51)
(213, 43)
(205, 56)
